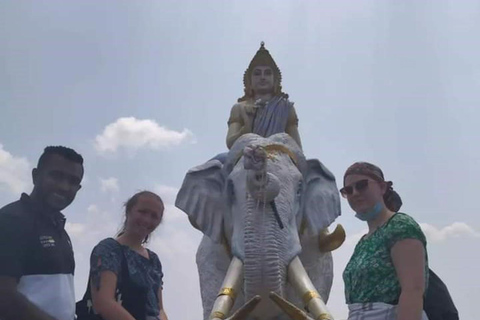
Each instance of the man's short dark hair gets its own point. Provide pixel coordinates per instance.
(65, 152)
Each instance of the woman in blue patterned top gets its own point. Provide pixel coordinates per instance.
(125, 263)
(387, 274)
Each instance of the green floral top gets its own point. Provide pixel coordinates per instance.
(370, 275)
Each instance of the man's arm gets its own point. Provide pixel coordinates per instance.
(236, 127)
(235, 131)
(13, 250)
(292, 127)
(292, 130)
(14, 305)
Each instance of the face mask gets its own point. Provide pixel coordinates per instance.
(370, 214)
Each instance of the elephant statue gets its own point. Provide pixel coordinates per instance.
(264, 214)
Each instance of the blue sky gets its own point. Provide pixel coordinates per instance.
(143, 89)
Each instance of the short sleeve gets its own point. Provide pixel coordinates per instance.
(292, 117)
(404, 227)
(158, 271)
(13, 245)
(106, 256)
(235, 114)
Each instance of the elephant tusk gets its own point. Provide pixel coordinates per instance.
(329, 242)
(290, 309)
(226, 297)
(299, 279)
(244, 311)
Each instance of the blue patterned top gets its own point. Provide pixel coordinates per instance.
(146, 273)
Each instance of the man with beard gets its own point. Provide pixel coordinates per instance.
(37, 263)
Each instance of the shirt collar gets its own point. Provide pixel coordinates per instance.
(55, 217)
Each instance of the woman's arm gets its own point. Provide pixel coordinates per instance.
(408, 257)
(163, 315)
(104, 302)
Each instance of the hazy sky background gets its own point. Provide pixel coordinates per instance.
(143, 90)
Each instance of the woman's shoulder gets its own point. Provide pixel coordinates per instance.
(402, 226)
(108, 245)
(153, 256)
(155, 260)
(401, 218)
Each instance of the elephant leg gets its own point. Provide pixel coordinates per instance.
(299, 279)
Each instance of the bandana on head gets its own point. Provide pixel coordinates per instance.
(391, 198)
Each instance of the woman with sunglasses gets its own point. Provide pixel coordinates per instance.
(387, 274)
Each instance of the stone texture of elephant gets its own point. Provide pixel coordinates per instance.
(263, 218)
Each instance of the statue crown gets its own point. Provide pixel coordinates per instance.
(261, 58)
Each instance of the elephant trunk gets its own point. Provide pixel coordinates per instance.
(262, 186)
(264, 263)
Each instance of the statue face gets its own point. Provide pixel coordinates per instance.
(262, 80)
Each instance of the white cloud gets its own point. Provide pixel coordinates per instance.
(109, 185)
(14, 172)
(167, 193)
(133, 134)
(455, 230)
(75, 229)
(93, 208)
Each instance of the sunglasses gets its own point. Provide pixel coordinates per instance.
(360, 186)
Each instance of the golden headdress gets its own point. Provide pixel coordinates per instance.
(261, 58)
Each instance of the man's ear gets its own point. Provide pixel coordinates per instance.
(35, 174)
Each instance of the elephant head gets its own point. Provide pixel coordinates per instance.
(258, 201)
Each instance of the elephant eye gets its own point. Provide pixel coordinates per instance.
(299, 189)
(230, 191)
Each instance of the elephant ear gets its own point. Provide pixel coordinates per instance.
(201, 197)
(321, 202)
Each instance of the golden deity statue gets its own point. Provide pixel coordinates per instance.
(264, 109)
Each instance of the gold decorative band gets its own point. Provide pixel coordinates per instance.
(227, 292)
(272, 148)
(309, 296)
(324, 316)
(217, 314)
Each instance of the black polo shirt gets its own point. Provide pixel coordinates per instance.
(36, 250)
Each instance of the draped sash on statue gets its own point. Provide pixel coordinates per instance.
(272, 118)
